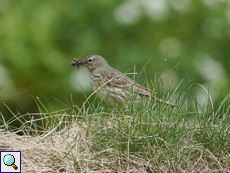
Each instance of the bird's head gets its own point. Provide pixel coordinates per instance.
(92, 62)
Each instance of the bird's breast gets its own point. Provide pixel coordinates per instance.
(98, 80)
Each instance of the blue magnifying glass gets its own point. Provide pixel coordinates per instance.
(9, 160)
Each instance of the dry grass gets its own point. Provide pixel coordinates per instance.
(73, 149)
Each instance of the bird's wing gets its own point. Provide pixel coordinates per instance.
(120, 80)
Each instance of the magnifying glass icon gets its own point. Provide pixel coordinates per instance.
(9, 160)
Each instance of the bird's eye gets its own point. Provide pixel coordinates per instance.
(90, 60)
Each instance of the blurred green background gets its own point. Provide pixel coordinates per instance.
(39, 39)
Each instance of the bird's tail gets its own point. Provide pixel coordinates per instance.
(155, 99)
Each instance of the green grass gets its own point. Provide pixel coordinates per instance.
(164, 137)
(154, 137)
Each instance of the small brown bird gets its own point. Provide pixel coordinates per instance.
(113, 86)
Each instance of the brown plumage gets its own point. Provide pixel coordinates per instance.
(113, 86)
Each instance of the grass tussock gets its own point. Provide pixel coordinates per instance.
(102, 138)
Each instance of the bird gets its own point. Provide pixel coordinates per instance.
(113, 86)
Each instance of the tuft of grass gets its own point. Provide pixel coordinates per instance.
(97, 137)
